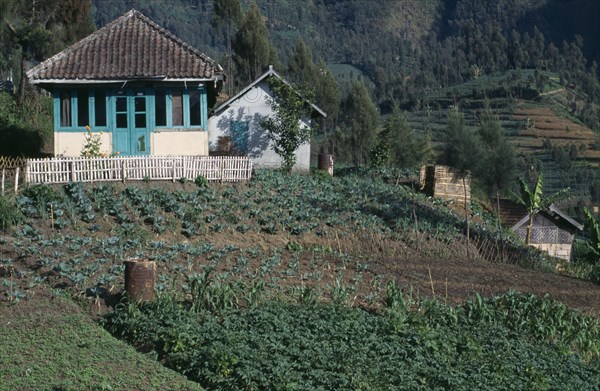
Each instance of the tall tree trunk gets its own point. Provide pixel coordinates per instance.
(23, 80)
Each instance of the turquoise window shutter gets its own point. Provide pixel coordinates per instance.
(239, 136)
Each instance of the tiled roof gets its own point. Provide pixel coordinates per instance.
(130, 47)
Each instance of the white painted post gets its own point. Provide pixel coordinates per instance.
(222, 168)
(3, 176)
(17, 180)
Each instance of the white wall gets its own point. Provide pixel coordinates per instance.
(253, 108)
(69, 144)
(179, 143)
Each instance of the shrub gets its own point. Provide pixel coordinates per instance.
(9, 214)
(201, 182)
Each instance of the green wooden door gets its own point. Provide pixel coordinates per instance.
(131, 135)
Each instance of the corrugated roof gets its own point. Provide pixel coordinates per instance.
(130, 47)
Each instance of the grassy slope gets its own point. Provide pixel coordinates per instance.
(50, 344)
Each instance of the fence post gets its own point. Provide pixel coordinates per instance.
(72, 167)
(26, 173)
(173, 167)
(123, 170)
(3, 176)
(17, 180)
(222, 168)
(183, 173)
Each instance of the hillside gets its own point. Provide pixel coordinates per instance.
(537, 119)
(283, 250)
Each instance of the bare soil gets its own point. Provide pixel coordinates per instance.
(453, 280)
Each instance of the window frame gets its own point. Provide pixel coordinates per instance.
(74, 107)
(109, 98)
(185, 94)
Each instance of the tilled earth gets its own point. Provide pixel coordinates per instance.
(452, 281)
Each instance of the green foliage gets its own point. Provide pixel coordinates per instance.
(201, 182)
(462, 147)
(285, 129)
(535, 201)
(253, 52)
(327, 97)
(408, 149)
(92, 144)
(483, 344)
(380, 154)
(498, 166)
(301, 67)
(228, 15)
(9, 214)
(591, 225)
(38, 30)
(83, 355)
(24, 129)
(360, 121)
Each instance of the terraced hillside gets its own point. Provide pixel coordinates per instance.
(537, 118)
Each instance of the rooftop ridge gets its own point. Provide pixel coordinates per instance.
(131, 15)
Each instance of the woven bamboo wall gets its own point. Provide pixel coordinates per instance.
(440, 181)
(12, 162)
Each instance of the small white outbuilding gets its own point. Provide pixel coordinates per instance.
(235, 127)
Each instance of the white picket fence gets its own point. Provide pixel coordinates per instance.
(137, 168)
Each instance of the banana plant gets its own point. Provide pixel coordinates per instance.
(535, 201)
(594, 230)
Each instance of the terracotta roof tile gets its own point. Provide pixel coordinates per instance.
(131, 46)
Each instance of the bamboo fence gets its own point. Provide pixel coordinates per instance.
(11, 169)
(137, 168)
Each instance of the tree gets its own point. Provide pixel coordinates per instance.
(591, 224)
(535, 201)
(37, 29)
(301, 68)
(253, 52)
(408, 149)
(462, 152)
(327, 97)
(497, 168)
(228, 15)
(398, 144)
(286, 130)
(360, 121)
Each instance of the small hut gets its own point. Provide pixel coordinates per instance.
(553, 231)
(441, 181)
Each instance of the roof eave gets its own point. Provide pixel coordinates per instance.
(270, 72)
(123, 80)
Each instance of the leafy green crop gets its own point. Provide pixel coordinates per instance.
(484, 344)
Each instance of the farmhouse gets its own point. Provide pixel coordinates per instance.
(143, 90)
(235, 128)
(553, 231)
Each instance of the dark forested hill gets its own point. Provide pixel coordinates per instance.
(418, 55)
(404, 46)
